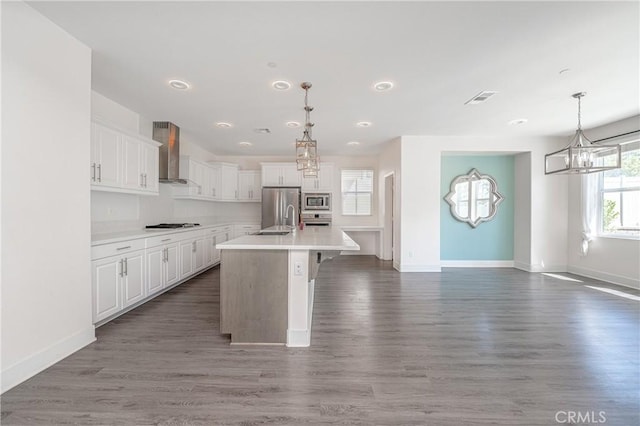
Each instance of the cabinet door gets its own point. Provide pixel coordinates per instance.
(133, 280)
(309, 184)
(106, 287)
(132, 176)
(216, 252)
(271, 175)
(199, 254)
(208, 250)
(107, 152)
(291, 176)
(245, 185)
(256, 190)
(325, 178)
(215, 182)
(150, 159)
(186, 259)
(229, 182)
(173, 255)
(155, 269)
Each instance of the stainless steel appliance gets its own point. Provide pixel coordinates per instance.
(316, 219)
(280, 206)
(163, 226)
(316, 201)
(168, 134)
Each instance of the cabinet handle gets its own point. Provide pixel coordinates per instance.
(236, 194)
(166, 239)
(93, 172)
(121, 267)
(193, 249)
(123, 248)
(164, 255)
(142, 180)
(126, 267)
(99, 172)
(199, 189)
(145, 180)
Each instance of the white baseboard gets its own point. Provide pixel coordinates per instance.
(396, 265)
(34, 364)
(477, 263)
(604, 276)
(539, 268)
(419, 268)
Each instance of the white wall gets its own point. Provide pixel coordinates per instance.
(610, 259)
(389, 162)
(46, 277)
(420, 192)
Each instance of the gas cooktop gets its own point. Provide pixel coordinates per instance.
(171, 226)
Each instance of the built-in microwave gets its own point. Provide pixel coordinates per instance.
(316, 201)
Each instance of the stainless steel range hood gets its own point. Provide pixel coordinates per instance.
(168, 134)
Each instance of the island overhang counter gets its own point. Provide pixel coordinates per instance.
(267, 283)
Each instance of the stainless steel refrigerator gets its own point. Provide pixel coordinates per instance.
(280, 205)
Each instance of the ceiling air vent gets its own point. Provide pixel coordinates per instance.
(480, 97)
(262, 130)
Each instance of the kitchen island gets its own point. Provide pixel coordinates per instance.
(267, 283)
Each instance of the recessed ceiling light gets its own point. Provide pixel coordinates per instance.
(364, 124)
(179, 84)
(281, 85)
(518, 121)
(245, 143)
(293, 124)
(224, 125)
(383, 86)
(353, 143)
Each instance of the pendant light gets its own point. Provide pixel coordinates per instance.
(307, 147)
(581, 156)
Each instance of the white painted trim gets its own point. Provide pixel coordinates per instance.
(302, 338)
(477, 263)
(34, 364)
(396, 265)
(603, 276)
(539, 268)
(419, 268)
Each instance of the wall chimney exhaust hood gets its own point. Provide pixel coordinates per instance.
(168, 134)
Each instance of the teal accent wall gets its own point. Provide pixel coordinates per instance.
(492, 240)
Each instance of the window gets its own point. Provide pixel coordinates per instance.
(619, 208)
(357, 192)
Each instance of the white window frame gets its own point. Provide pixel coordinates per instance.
(601, 192)
(373, 191)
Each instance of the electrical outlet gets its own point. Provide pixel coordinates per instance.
(297, 268)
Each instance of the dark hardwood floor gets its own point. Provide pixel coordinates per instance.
(461, 347)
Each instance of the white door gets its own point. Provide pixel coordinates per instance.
(173, 255)
(133, 279)
(186, 259)
(106, 156)
(106, 287)
(132, 176)
(150, 160)
(271, 175)
(291, 176)
(156, 265)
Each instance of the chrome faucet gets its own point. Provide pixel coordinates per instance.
(286, 215)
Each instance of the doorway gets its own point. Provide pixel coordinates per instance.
(388, 232)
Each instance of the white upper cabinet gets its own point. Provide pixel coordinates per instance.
(322, 183)
(281, 174)
(249, 188)
(106, 157)
(215, 182)
(123, 162)
(229, 182)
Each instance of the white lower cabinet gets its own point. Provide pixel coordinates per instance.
(162, 267)
(118, 282)
(130, 272)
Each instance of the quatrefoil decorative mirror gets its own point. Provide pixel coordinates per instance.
(473, 198)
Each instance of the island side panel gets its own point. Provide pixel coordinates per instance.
(253, 295)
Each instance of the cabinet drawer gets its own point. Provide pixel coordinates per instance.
(163, 239)
(113, 249)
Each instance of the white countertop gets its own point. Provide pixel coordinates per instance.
(116, 237)
(310, 238)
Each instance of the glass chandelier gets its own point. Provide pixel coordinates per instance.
(581, 156)
(307, 148)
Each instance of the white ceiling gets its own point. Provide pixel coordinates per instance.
(438, 54)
